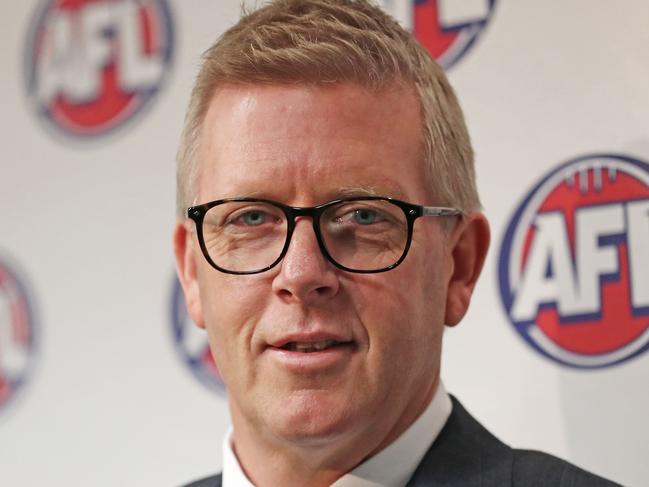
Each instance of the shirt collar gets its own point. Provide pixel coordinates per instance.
(393, 466)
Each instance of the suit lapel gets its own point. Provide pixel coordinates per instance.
(464, 454)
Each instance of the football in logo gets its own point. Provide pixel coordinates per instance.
(18, 334)
(191, 343)
(574, 263)
(92, 65)
(447, 28)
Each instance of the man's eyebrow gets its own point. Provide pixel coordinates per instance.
(388, 190)
(250, 194)
(241, 194)
(349, 191)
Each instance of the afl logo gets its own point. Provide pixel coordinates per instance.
(92, 65)
(574, 263)
(18, 337)
(446, 28)
(191, 343)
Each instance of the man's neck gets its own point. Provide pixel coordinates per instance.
(269, 461)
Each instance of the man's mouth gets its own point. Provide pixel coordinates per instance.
(309, 347)
(312, 352)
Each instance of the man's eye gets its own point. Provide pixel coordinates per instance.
(361, 216)
(252, 218)
(365, 216)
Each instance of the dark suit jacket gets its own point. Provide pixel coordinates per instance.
(465, 454)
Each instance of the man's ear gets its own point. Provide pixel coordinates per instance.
(469, 242)
(184, 249)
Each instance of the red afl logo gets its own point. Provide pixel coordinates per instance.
(18, 337)
(191, 343)
(92, 65)
(446, 28)
(574, 263)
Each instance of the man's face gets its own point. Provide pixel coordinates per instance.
(304, 146)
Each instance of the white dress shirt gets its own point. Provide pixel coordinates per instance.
(393, 466)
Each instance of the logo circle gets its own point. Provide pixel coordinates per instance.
(191, 343)
(93, 65)
(448, 28)
(574, 259)
(18, 334)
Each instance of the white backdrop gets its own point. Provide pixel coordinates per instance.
(86, 225)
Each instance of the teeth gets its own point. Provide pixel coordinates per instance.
(310, 347)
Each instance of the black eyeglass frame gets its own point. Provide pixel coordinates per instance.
(411, 211)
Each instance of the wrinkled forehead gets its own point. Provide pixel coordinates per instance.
(342, 134)
(351, 105)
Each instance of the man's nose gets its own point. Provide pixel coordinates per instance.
(305, 274)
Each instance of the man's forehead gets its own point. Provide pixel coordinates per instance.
(244, 100)
(253, 133)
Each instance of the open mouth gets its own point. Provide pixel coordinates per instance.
(310, 347)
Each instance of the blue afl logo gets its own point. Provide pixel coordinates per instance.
(18, 334)
(446, 28)
(574, 262)
(92, 65)
(191, 343)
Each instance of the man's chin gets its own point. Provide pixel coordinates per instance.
(312, 418)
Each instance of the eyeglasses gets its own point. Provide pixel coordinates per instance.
(358, 234)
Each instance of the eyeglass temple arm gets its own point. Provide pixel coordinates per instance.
(439, 211)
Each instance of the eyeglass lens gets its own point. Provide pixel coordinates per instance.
(363, 235)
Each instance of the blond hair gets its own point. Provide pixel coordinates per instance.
(335, 41)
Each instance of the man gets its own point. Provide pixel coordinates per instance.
(333, 231)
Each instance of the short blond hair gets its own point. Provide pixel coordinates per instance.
(335, 41)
